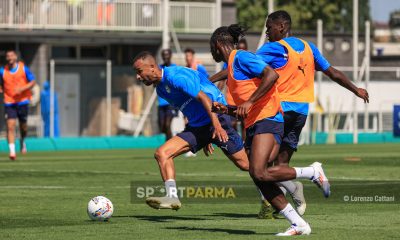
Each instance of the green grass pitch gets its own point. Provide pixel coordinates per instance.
(45, 195)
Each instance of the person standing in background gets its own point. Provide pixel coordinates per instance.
(16, 83)
(45, 110)
(191, 62)
(165, 111)
(104, 8)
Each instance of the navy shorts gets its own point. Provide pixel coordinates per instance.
(264, 126)
(167, 112)
(294, 123)
(199, 137)
(15, 111)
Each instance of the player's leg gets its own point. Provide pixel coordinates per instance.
(165, 158)
(22, 112)
(262, 148)
(11, 117)
(167, 122)
(161, 119)
(294, 123)
(191, 139)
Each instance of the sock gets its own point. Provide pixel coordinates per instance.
(11, 146)
(262, 196)
(283, 189)
(305, 172)
(289, 186)
(170, 187)
(292, 216)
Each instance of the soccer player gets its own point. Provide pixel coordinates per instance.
(251, 84)
(165, 111)
(191, 62)
(296, 60)
(192, 94)
(242, 44)
(16, 84)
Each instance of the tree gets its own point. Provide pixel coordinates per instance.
(337, 15)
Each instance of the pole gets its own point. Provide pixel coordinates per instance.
(367, 70)
(108, 99)
(52, 83)
(355, 69)
(270, 10)
(165, 32)
(145, 114)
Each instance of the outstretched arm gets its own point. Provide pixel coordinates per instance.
(219, 76)
(339, 77)
(219, 132)
(268, 79)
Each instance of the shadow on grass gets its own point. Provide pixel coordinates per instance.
(223, 230)
(164, 218)
(233, 215)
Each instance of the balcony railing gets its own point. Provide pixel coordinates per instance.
(106, 15)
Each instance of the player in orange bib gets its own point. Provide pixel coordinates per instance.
(16, 83)
(251, 86)
(296, 61)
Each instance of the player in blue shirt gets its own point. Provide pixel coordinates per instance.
(165, 111)
(192, 63)
(192, 94)
(295, 113)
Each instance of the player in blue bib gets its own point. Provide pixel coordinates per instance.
(192, 93)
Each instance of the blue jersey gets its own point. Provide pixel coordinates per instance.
(29, 76)
(247, 65)
(180, 87)
(201, 69)
(275, 54)
(161, 101)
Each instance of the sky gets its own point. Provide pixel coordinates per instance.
(381, 9)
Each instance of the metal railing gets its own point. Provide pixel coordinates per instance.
(109, 15)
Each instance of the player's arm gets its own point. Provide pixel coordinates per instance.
(321, 64)
(256, 67)
(31, 81)
(219, 132)
(1, 80)
(268, 79)
(219, 76)
(340, 78)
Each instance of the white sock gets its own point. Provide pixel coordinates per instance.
(262, 196)
(11, 146)
(292, 216)
(289, 186)
(305, 172)
(283, 189)
(170, 187)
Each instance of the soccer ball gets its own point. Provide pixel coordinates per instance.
(100, 208)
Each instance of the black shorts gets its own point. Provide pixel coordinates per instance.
(199, 137)
(294, 123)
(167, 112)
(15, 111)
(264, 126)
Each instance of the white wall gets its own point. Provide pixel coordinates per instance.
(383, 95)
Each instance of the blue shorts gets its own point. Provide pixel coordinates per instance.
(17, 111)
(199, 137)
(294, 123)
(264, 126)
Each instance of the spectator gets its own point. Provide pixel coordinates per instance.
(104, 9)
(74, 4)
